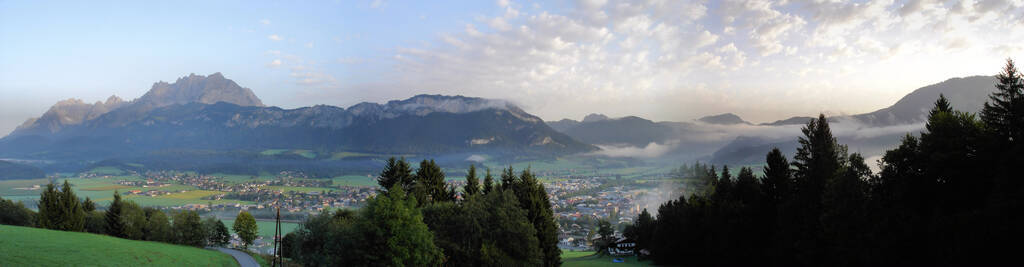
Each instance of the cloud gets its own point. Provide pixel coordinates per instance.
(275, 63)
(265, 21)
(650, 151)
(309, 45)
(275, 37)
(678, 60)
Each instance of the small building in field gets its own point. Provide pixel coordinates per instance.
(623, 247)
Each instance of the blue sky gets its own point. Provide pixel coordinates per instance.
(660, 59)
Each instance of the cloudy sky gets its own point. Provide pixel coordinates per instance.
(660, 59)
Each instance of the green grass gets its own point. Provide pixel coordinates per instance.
(587, 258)
(286, 189)
(8, 187)
(354, 180)
(23, 246)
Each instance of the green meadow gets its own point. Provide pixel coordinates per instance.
(24, 246)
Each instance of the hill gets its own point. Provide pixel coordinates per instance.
(724, 118)
(966, 94)
(629, 130)
(24, 246)
(15, 171)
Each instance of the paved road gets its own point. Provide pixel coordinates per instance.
(243, 258)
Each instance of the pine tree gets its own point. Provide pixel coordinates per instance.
(115, 227)
(645, 230)
(430, 185)
(396, 172)
(488, 182)
(508, 178)
(472, 183)
(88, 205)
(817, 161)
(775, 185)
(747, 189)
(49, 208)
(1004, 112)
(534, 199)
(71, 208)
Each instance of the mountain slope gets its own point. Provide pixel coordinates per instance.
(966, 94)
(630, 130)
(68, 113)
(11, 171)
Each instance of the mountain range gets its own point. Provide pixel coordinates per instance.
(728, 139)
(212, 114)
(212, 120)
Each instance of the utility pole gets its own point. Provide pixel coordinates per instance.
(278, 256)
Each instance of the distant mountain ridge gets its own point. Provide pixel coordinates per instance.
(212, 112)
(966, 94)
(724, 118)
(189, 89)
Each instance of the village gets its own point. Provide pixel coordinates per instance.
(579, 202)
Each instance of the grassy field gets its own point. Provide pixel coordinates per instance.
(286, 189)
(354, 180)
(23, 246)
(587, 258)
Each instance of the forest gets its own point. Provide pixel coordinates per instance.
(951, 195)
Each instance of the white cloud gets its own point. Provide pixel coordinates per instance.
(683, 59)
(275, 63)
(275, 37)
(309, 45)
(265, 21)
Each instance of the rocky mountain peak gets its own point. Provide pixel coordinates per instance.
(199, 89)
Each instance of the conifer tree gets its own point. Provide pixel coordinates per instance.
(472, 183)
(777, 180)
(488, 182)
(72, 215)
(115, 227)
(49, 208)
(88, 205)
(396, 171)
(1004, 112)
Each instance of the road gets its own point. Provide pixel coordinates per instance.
(243, 258)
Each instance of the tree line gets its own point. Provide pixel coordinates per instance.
(951, 195)
(61, 209)
(417, 220)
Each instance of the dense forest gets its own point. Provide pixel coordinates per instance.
(419, 221)
(949, 196)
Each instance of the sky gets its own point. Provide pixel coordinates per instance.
(660, 59)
